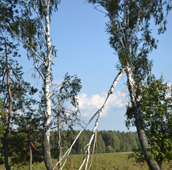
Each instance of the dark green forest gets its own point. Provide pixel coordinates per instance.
(107, 142)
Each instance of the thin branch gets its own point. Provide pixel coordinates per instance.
(42, 3)
(38, 68)
(120, 17)
(88, 150)
(119, 36)
(14, 72)
(137, 24)
(38, 16)
(121, 40)
(95, 139)
(122, 31)
(61, 84)
(95, 7)
(53, 59)
(24, 42)
(33, 146)
(119, 44)
(58, 100)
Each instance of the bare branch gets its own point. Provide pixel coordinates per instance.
(38, 16)
(24, 42)
(62, 83)
(38, 68)
(95, 7)
(95, 139)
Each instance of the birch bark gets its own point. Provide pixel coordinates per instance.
(46, 133)
(43, 11)
(153, 165)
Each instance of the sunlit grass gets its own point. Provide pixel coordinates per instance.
(107, 161)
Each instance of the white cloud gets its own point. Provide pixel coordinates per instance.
(89, 105)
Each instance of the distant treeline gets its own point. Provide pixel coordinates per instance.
(107, 141)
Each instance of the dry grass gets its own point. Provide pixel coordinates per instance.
(107, 161)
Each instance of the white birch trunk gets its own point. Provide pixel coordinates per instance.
(46, 134)
(45, 76)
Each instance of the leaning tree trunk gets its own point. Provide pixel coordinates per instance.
(153, 165)
(46, 133)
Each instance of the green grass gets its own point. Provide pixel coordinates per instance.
(107, 161)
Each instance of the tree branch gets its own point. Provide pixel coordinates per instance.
(61, 84)
(121, 40)
(95, 7)
(38, 15)
(58, 100)
(122, 31)
(24, 42)
(53, 59)
(95, 140)
(137, 24)
(38, 68)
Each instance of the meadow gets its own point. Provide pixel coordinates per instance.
(106, 161)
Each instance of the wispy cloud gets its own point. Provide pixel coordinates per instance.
(89, 105)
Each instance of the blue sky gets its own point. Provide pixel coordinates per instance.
(78, 32)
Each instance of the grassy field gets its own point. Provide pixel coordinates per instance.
(107, 161)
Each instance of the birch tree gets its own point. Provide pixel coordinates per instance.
(127, 19)
(34, 33)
